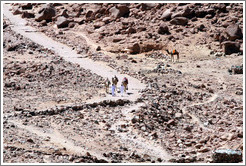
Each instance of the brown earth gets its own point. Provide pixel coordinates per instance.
(187, 109)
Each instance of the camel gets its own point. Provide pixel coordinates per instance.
(107, 83)
(115, 81)
(172, 53)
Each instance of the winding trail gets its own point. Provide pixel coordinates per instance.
(53, 134)
(99, 68)
(195, 119)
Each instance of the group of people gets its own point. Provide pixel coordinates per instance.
(115, 80)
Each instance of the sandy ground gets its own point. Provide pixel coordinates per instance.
(181, 115)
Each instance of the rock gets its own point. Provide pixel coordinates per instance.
(227, 156)
(120, 11)
(201, 27)
(147, 6)
(200, 13)
(230, 47)
(204, 150)
(171, 122)
(234, 32)
(114, 12)
(131, 30)
(163, 29)
(237, 69)
(62, 22)
(43, 23)
(12, 47)
(98, 48)
(179, 21)
(135, 119)
(178, 115)
(188, 128)
(89, 15)
(64, 13)
(124, 11)
(17, 11)
(26, 6)
(135, 49)
(166, 15)
(106, 20)
(115, 40)
(187, 12)
(71, 25)
(26, 14)
(46, 13)
(30, 140)
(198, 146)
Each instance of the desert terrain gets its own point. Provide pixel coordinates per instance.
(57, 56)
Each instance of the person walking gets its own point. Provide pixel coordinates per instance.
(113, 90)
(121, 89)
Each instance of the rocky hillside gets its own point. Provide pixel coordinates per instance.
(138, 28)
(186, 111)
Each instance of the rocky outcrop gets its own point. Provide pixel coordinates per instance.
(135, 49)
(119, 11)
(234, 32)
(46, 13)
(62, 22)
(227, 156)
(230, 47)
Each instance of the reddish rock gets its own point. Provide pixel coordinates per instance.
(62, 22)
(234, 32)
(26, 6)
(204, 150)
(166, 15)
(26, 14)
(230, 47)
(135, 49)
(17, 11)
(46, 13)
(179, 21)
(163, 29)
(120, 11)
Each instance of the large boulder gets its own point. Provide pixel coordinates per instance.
(179, 21)
(163, 29)
(26, 14)
(230, 47)
(26, 6)
(119, 11)
(184, 12)
(135, 49)
(62, 22)
(46, 13)
(124, 11)
(234, 32)
(166, 15)
(227, 156)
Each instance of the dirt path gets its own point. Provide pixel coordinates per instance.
(56, 138)
(19, 26)
(142, 145)
(132, 138)
(195, 119)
